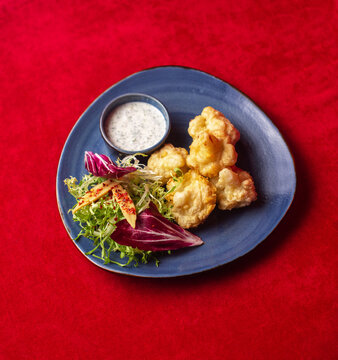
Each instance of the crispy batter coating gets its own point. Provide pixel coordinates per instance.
(164, 161)
(193, 199)
(212, 155)
(209, 155)
(235, 188)
(216, 124)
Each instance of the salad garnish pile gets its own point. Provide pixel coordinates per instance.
(122, 208)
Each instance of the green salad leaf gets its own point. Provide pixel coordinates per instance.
(98, 220)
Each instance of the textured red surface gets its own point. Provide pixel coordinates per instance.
(279, 301)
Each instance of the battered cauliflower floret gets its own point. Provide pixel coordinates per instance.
(164, 161)
(193, 199)
(209, 156)
(216, 124)
(235, 188)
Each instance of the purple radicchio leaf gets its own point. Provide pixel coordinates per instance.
(102, 165)
(154, 232)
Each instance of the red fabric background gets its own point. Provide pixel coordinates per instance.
(277, 302)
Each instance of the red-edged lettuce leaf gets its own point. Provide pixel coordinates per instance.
(102, 165)
(154, 232)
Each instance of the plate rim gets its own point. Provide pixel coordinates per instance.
(160, 276)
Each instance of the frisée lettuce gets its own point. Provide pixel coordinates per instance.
(103, 221)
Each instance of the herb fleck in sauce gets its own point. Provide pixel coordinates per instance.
(135, 126)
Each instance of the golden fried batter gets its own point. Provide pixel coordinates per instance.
(193, 199)
(164, 161)
(235, 188)
(209, 155)
(216, 124)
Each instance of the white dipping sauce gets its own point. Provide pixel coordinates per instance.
(135, 126)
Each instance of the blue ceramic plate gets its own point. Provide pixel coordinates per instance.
(262, 151)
